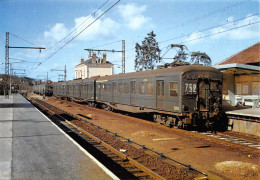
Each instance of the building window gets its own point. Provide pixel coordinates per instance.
(256, 88)
(242, 88)
(245, 88)
(173, 88)
(141, 88)
(150, 88)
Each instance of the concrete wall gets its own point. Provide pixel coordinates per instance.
(247, 127)
(228, 84)
(86, 71)
(100, 71)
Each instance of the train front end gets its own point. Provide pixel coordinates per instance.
(202, 99)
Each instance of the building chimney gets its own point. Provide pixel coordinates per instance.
(104, 58)
(94, 58)
(81, 60)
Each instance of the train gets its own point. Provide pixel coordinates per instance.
(184, 96)
(43, 89)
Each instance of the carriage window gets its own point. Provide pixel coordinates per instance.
(141, 88)
(126, 88)
(114, 87)
(120, 88)
(98, 87)
(105, 87)
(150, 88)
(91, 88)
(160, 88)
(110, 88)
(173, 88)
(132, 89)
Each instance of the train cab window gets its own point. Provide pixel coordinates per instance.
(133, 87)
(141, 88)
(214, 86)
(120, 88)
(160, 88)
(126, 88)
(173, 88)
(150, 88)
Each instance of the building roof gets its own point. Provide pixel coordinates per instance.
(89, 61)
(247, 56)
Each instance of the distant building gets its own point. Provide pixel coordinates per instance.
(93, 66)
(241, 76)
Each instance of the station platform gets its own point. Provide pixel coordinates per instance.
(248, 121)
(251, 112)
(32, 147)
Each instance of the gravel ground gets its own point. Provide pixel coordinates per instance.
(200, 154)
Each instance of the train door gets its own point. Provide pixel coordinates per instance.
(114, 92)
(132, 92)
(160, 100)
(203, 95)
(87, 91)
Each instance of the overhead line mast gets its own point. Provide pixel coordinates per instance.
(7, 63)
(105, 50)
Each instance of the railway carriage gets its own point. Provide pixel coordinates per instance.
(43, 89)
(178, 96)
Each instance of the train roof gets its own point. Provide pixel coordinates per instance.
(177, 70)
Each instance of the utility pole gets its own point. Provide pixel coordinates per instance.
(7, 63)
(65, 72)
(104, 50)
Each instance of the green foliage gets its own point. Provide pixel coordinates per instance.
(147, 54)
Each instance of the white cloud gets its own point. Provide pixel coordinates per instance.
(57, 32)
(194, 38)
(132, 15)
(246, 32)
(100, 29)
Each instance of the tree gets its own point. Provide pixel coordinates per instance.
(147, 54)
(199, 57)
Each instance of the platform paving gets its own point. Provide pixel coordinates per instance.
(32, 147)
(252, 112)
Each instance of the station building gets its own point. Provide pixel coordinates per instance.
(93, 66)
(241, 77)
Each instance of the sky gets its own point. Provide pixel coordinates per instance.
(220, 28)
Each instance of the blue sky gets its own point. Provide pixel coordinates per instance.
(45, 22)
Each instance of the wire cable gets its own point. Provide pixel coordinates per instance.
(80, 24)
(80, 32)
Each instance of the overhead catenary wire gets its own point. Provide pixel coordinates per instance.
(107, 44)
(40, 63)
(221, 32)
(80, 24)
(80, 32)
(209, 28)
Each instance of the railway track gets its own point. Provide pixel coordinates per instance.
(130, 156)
(251, 143)
(229, 139)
